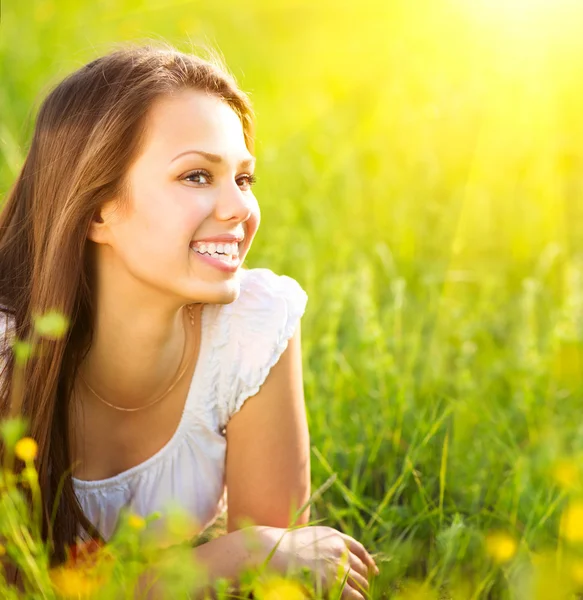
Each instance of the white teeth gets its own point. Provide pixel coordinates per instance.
(225, 258)
(221, 249)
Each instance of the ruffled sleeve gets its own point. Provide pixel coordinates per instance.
(253, 334)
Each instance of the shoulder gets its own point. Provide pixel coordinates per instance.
(252, 333)
(263, 292)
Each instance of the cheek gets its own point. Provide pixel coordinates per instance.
(165, 219)
(153, 240)
(193, 220)
(252, 224)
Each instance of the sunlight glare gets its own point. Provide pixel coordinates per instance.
(524, 12)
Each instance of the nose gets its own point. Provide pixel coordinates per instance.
(234, 204)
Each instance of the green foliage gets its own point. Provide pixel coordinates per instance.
(419, 168)
(51, 325)
(22, 351)
(12, 430)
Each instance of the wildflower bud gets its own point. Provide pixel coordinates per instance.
(136, 522)
(26, 449)
(500, 546)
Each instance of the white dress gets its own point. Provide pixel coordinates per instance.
(240, 342)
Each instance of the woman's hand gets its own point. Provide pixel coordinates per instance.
(324, 551)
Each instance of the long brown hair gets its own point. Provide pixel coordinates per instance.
(88, 131)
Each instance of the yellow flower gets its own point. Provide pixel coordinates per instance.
(136, 522)
(278, 588)
(70, 582)
(567, 474)
(572, 522)
(2, 550)
(26, 449)
(501, 546)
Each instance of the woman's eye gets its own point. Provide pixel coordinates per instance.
(248, 181)
(203, 177)
(196, 174)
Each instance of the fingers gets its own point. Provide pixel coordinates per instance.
(360, 551)
(354, 572)
(351, 572)
(359, 572)
(358, 582)
(349, 593)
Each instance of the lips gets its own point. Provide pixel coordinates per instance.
(238, 240)
(224, 262)
(223, 237)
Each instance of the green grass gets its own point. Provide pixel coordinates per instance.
(420, 173)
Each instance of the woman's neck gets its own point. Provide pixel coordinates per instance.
(131, 364)
(139, 337)
(104, 441)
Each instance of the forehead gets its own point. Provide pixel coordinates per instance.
(193, 119)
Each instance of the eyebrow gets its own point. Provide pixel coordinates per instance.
(216, 158)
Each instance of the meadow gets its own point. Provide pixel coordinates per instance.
(420, 173)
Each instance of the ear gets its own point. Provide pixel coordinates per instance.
(98, 228)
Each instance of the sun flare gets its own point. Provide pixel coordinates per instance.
(543, 14)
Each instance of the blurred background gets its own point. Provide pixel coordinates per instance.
(420, 173)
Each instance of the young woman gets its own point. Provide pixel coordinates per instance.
(180, 376)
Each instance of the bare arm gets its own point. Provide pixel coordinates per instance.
(267, 474)
(268, 448)
(225, 557)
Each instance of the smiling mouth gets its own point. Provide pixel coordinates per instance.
(226, 254)
(217, 250)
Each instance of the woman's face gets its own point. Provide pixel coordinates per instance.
(192, 181)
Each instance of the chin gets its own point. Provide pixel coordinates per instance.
(223, 292)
